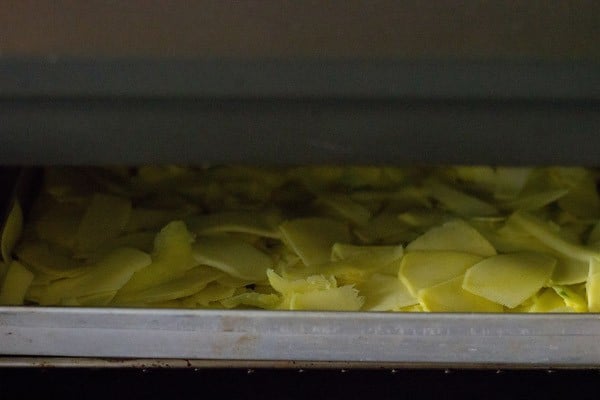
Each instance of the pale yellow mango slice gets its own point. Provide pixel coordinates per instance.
(104, 219)
(385, 293)
(253, 299)
(309, 284)
(549, 301)
(143, 219)
(423, 269)
(512, 238)
(311, 238)
(571, 298)
(15, 284)
(109, 274)
(171, 258)
(385, 228)
(550, 238)
(58, 224)
(191, 282)
(381, 258)
(11, 231)
(212, 293)
(502, 182)
(3, 269)
(139, 240)
(568, 271)
(459, 202)
(534, 201)
(345, 298)
(449, 296)
(509, 279)
(342, 206)
(592, 286)
(422, 219)
(48, 259)
(455, 235)
(260, 223)
(93, 300)
(415, 308)
(232, 256)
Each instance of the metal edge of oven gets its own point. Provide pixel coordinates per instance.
(125, 337)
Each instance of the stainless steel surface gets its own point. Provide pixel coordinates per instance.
(542, 340)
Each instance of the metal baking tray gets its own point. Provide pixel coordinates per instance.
(108, 337)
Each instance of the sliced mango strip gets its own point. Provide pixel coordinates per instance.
(385, 293)
(592, 286)
(58, 224)
(104, 219)
(449, 296)
(423, 269)
(509, 279)
(455, 235)
(191, 282)
(424, 218)
(93, 300)
(345, 298)
(345, 208)
(568, 271)
(213, 292)
(309, 284)
(384, 229)
(172, 256)
(312, 238)
(263, 223)
(534, 201)
(571, 298)
(142, 219)
(544, 234)
(549, 301)
(49, 260)
(109, 274)
(15, 284)
(11, 231)
(459, 202)
(232, 256)
(381, 258)
(253, 299)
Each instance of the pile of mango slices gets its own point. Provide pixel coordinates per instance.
(343, 238)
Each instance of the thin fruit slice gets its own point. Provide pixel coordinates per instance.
(171, 258)
(423, 269)
(232, 256)
(544, 234)
(509, 279)
(385, 293)
(592, 286)
(109, 274)
(451, 297)
(345, 298)
(11, 231)
(312, 238)
(49, 259)
(192, 281)
(455, 235)
(253, 299)
(549, 301)
(104, 219)
(345, 208)
(459, 202)
(15, 284)
(260, 223)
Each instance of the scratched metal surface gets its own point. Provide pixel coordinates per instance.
(433, 339)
